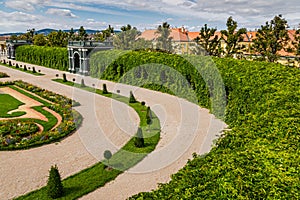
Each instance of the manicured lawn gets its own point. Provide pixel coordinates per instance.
(97, 176)
(9, 103)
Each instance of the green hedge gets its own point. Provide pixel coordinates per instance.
(259, 157)
(51, 57)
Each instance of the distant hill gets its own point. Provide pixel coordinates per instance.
(47, 31)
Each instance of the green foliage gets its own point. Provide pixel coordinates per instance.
(131, 98)
(271, 38)
(149, 116)
(51, 57)
(209, 41)
(82, 84)
(259, 156)
(33, 70)
(107, 155)
(139, 139)
(54, 185)
(164, 41)
(232, 36)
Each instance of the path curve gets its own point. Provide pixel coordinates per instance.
(182, 122)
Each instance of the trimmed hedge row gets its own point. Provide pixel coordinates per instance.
(259, 157)
(51, 57)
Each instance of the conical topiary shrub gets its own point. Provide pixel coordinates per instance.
(131, 98)
(33, 70)
(64, 77)
(25, 68)
(54, 185)
(82, 83)
(139, 139)
(104, 90)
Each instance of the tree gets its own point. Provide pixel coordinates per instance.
(164, 41)
(209, 40)
(232, 36)
(271, 38)
(57, 39)
(149, 116)
(125, 40)
(39, 40)
(297, 44)
(82, 35)
(72, 34)
(54, 185)
(132, 98)
(107, 155)
(139, 139)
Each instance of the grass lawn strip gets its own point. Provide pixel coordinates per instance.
(97, 176)
(22, 70)
(8, 104)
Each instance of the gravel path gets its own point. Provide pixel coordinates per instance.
(108, 124)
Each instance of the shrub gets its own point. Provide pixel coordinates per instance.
(148, 116)
(82, 83)
(143, 103)
(65, 78)
(9, 63)
(17, 65)
(139, 139)
(33, 70)
(4, 61)
(131, 98)
(54, 185)
(104, 91)
(25, 68)
(107, 155)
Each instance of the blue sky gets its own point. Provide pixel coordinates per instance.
(20, 15)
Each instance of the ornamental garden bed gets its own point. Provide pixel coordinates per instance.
(31, 116)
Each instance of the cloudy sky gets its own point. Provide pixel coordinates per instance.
(20, 15)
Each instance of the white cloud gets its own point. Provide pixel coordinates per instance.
(61, 12)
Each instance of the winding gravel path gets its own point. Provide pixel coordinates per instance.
(108, 124)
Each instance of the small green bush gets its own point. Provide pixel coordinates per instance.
(65, 78)
(132, 98)
(25, 68)
(82, 83)
(33, 70)
(139, 139)
(54, 185)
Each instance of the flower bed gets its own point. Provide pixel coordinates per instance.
(24, 133)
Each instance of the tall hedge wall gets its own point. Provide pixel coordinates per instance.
(259, 158)
(51, 57)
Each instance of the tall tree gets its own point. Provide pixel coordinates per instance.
(297, 44)
(164, 41)
(125, 40)
(232, 37)
(209, 40)
(72, 34)
(57, 39)
(39, 40)
(271, 38)
(82, 35)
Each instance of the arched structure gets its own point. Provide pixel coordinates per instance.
(11, 46)
(80, 52)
